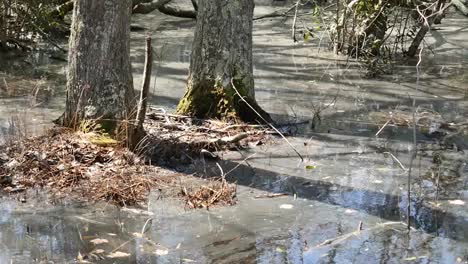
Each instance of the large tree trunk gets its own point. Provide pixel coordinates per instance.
(100, 85)
(221, 55)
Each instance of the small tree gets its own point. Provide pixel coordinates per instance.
(222, 56)
(99, 80)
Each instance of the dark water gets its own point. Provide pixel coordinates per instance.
(355, 180)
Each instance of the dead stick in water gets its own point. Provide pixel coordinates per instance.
(146, 84)
(294, 21)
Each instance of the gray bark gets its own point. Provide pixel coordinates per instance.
(461, 5)
(99, 80)
(425, 27)
(222, 46)
(221, 52)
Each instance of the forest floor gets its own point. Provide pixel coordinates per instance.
(90, 166)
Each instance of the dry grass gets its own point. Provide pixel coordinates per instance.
(91, 167)
(71, 163)
(404, 117)
(216, 192)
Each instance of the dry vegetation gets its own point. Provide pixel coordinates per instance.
(87, 166)
(180, 139)
(205, 196)
(91, 166)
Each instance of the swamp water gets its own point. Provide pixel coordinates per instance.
(351, 180)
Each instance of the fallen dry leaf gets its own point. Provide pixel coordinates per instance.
(161, 252)
(98, 251)
(99, 241)
(457, 202)
(138, 235)
(118, 254)
(286, 206)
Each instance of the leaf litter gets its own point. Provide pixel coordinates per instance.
(77, 165)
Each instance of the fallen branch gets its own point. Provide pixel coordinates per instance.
(460, 6)
(339, 239)
(146, 8)
(230, 140)
(165, 115)
(276, 13)
(241, 126)
(270, 195)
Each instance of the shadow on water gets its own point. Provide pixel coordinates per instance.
(353, 182)
(387, 206)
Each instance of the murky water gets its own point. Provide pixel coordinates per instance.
(355, 180)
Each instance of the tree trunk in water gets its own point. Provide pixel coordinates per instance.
(99, 80)
(222, 55)
(431, 16)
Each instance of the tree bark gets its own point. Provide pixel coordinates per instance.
(461, 6)
(431, 17)
(99, 80)
(221, 55)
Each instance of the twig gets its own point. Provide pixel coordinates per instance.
(220, 169)
(344, 237)
(294, 22)
(270, 195)
(232, 139)
(240, 163)
(165, 115)
(275, 14)
(143, 230)
(241, 125)
(264, 120)
(397, 160)
(141, 112)
(413, 155)
(382, 128)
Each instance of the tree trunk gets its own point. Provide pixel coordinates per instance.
(221, 55)
(431, 17)
(99, 80)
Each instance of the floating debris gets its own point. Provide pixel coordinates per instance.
(286, 206)
(216, 192)
(98, 241)
(118, 254)
(457, 202)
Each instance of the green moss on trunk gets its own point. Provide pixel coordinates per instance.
(209, 99)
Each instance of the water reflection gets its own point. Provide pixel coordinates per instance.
(354, 180)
